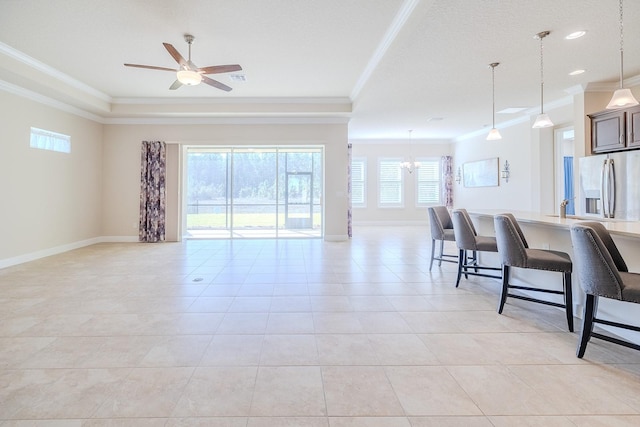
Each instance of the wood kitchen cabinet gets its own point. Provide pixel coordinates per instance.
(608, 131)
(633, 127)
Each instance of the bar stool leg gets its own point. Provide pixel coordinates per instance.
(461, 256)
(433, 248)
(590, 308)
(568, 299)
(441, 253)
(505, 287)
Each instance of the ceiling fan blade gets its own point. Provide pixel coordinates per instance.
(176, 55)
(150, 67)
(175, 85)
(215, 83)
(215, 69)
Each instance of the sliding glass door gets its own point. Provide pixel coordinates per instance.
(253, 192)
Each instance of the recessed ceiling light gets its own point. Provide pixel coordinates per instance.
(512, 110)
(576, 72)
(576, 35)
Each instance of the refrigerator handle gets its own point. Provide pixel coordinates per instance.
(612, 189)
(603, 188)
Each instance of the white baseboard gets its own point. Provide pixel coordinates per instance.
(8, 262)
(32, 256)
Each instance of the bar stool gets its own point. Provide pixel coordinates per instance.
(602, 273)
(467, 239)
(515, 252)
(442, 230)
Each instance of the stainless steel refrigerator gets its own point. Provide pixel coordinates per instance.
(610, 186)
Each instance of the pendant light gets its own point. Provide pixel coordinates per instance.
(543, 120)
(622, 97)
(494, 134)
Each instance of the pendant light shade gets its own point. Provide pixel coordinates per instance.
(622, 97)
(543, 120)
(494, 134)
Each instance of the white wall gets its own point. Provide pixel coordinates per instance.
(122, 165)
(531, 159)
(49, 199)
(372, 151)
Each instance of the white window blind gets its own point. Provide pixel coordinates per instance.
(47, 140)
(358, 182)
(390, 188)
(428, 182)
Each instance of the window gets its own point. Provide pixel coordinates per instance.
(47, 140)
(390, 184)
(253, 192)
(358, 182)
(428, 182)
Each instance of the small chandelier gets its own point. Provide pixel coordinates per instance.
(543, 120)
(622, 97)
(411, 164)
(494, 134)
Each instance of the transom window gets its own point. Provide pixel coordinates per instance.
(48, 140)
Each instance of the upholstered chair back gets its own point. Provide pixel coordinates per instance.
(511, 246)
(439, 220)
(598, 260)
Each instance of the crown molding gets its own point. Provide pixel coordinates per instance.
(246, 100)
(52, 72)
(612, 86)
(45, 100)
(231, 120)
(398, 22)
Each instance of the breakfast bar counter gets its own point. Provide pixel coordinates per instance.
(615, 226)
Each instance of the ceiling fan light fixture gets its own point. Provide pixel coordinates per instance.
(189, 78)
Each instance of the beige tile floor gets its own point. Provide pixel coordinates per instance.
(291, 333)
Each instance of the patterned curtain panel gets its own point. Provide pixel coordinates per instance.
(446, 163)
(152, 191)
(349, 206)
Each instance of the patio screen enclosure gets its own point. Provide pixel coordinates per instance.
(253, 192)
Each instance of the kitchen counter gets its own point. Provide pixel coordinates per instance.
(615, 226)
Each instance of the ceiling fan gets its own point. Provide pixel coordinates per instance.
(188, 73)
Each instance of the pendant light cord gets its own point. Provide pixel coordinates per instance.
(542, 76)
(493, 95)
(621, 45)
